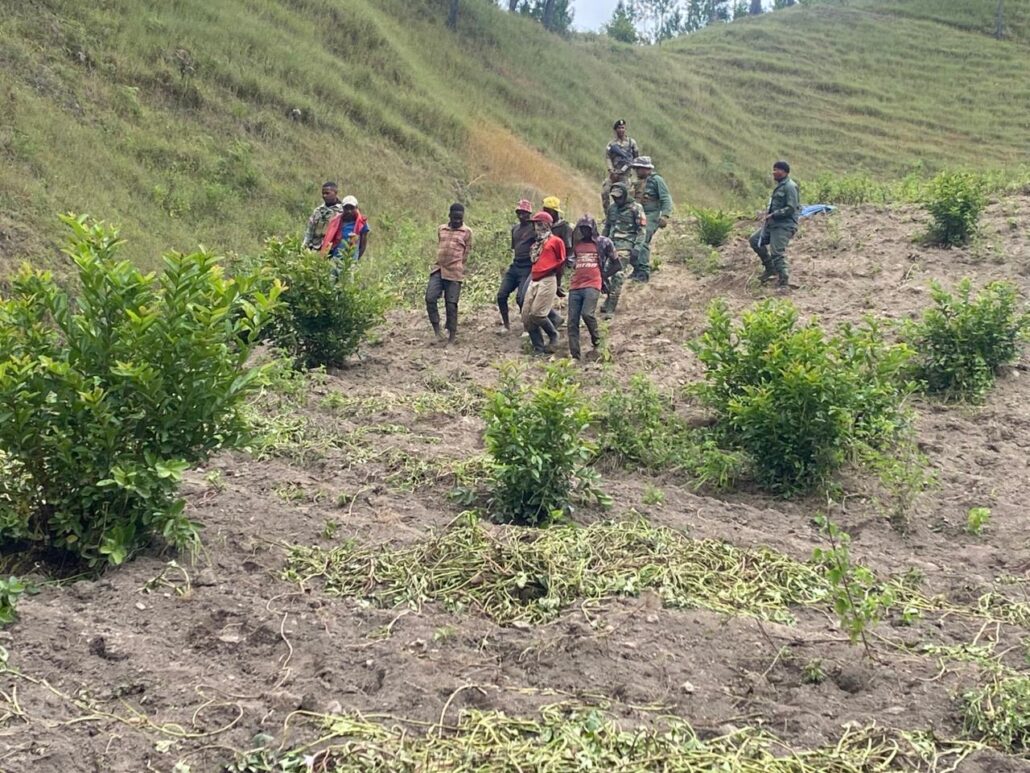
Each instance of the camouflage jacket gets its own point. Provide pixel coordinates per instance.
(619, 154)
(785, 204)
(318, 223)
(653, 196)
(626, 226)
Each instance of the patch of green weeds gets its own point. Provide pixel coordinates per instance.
(999, 712)
(977, 519)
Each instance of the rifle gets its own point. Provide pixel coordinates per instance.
(620, 156)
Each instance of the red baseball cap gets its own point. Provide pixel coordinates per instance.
(542, 217)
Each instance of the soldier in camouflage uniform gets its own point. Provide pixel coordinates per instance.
(779, 224)
(618, 156)
(626, 225)
(318, 223)
(653, 195)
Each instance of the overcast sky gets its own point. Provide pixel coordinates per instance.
(591, 14)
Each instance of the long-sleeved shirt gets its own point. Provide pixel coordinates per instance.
(654, 197)
(551, 260)
(626, 226)
(522, 237)
(785, 203)
(452, 250)
(319, 222)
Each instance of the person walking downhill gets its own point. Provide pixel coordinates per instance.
(653, 196)
(454, 243)
(548, 257)
(626, 226)
(779, 224)
(561, 229)
(618, 155)
(347, 234)
(318, 223)
(523, 234)
(593, 260)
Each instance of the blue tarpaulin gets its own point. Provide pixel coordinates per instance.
(816, 209)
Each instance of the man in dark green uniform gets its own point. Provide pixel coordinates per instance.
(653, 195)
(779, 224)
(618, 155)
(626, 225)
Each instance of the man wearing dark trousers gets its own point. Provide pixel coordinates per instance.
(454, 243)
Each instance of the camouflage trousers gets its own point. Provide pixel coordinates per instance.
(615, 283)
(772, 250)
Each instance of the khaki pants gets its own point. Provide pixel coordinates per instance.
(537, 306)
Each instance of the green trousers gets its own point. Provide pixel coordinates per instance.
(642, 269)
(773, 251)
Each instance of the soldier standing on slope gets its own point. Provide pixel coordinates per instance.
(653, 196)
(626, 225)
(318, 223)
(617, 157)
(779, 224)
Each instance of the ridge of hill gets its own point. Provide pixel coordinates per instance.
(215, 123)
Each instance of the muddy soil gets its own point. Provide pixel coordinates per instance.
(156, 664)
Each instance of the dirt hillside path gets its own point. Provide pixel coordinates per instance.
(153, 665)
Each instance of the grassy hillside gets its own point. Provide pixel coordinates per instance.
(210, 122)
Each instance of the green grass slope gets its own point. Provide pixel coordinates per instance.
(214, 122)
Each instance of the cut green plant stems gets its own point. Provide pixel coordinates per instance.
(566, 739)
(511, 576)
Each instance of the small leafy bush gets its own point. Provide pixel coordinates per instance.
(10, 591)
(999, 712)
(961, 342)
(327, 311)
(107, 397)
(796, 401)
(538, 452)
(955, 201)
(714, 226)
(860, 603)
(639, 427)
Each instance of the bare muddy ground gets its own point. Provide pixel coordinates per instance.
(156, 664)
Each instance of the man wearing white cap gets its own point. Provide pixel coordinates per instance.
(347, 234)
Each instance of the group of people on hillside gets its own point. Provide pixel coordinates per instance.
(544, 247)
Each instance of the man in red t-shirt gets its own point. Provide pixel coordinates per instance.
(548, 259)
(593, 260)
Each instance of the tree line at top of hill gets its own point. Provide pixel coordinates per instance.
(654, 21)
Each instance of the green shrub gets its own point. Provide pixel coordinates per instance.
(538, 454)
(10, 591)
(639, 427)
(327, 311)
(105, 399)
(638, 424)
(955, 201)
(714, 226)
(961, 343)
(797, 402)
